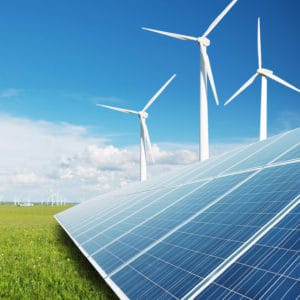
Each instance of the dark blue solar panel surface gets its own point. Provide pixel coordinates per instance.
(197, 248)
(103, 219)
(156, 227)
(118, 225)
(161, 239)
(270, 269)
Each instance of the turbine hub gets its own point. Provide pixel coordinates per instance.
(143, 115)
(264, 72)
(203, 41)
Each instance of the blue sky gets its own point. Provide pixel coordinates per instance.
(59, 58)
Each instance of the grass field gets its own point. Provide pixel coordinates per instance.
(39, 261)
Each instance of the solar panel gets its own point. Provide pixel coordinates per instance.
(270, 269)
(293, 153)
(208, 231)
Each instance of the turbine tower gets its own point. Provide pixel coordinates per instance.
(264, 73)
(205, 71)
(144, 134)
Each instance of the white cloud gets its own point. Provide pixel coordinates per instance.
(176, 156)
(39, 157)
(109, 157)
(26, 143)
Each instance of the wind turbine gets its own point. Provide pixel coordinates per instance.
(144, 134)
(264, 73)
(205, 71)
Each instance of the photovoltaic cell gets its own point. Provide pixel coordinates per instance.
(293, 153)
(168, 237)
(199, 171)
(133, 218)
(163, 222)
(270, 269)
(132, 205)
(268, 153)
(207, 240)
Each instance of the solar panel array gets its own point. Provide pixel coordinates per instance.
(226, 228)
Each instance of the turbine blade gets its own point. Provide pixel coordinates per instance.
(219, 18)
(209, 73)
(119, 109)
(242, 88)
(146, 138)
(173, 35)
(158, 93)
(283, 82)
(259, 44)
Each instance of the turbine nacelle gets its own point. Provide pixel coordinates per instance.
(143, 114)
(204, 41)
(264, 72)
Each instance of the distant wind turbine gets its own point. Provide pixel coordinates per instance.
(264, 73)
(205, 71)
(145, 138)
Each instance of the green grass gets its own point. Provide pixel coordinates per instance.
(39, 261)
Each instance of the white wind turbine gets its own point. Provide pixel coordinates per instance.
(205, 71)
(264, 73)
(144, 134)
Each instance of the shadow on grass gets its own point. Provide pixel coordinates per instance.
(83, 266)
